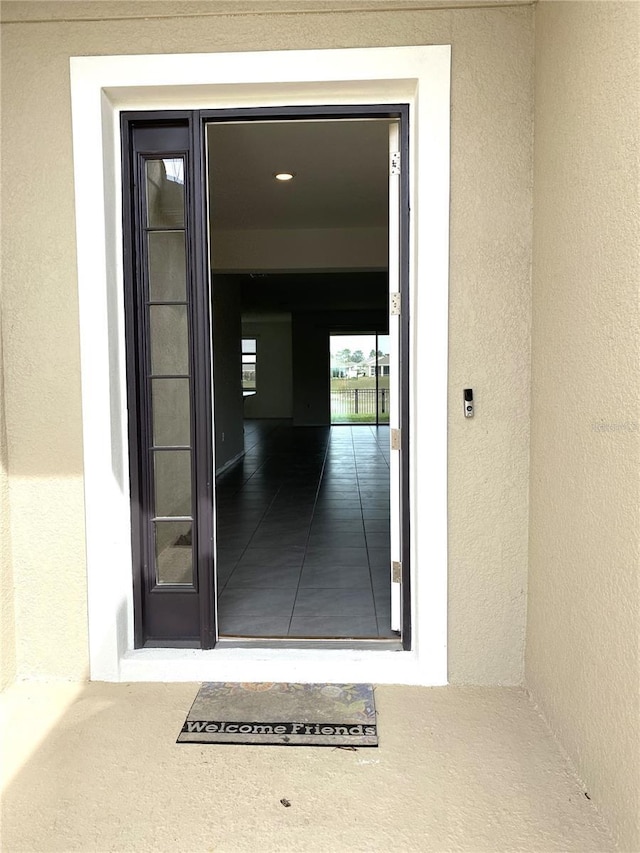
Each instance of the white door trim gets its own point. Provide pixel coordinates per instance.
(100, 88)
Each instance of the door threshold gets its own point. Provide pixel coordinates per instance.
(171, 644)
(386, 644)
(384, 662)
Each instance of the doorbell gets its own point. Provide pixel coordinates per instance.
(468, 402)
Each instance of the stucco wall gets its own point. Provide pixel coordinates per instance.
(583, 650)
(7, 612)
(489, 327)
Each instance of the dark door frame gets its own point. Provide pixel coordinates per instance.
(203, 485)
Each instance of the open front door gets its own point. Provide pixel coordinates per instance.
(394, 377)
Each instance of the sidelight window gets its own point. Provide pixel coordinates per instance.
(168, 373)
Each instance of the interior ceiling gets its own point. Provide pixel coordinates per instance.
(341, 169)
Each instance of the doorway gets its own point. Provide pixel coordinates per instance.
(251, 464)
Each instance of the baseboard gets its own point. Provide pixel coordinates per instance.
(229, 464)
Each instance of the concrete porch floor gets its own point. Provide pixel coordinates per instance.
(95, 767)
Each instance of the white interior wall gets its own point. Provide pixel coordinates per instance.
(274, 382)
(227, 366)
(301, 249)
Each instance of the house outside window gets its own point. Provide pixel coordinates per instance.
(381, 364)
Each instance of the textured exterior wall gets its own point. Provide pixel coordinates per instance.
(7, 611)
(490, 245)
(583, 650)
(489, 318)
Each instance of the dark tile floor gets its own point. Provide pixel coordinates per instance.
(303, 534)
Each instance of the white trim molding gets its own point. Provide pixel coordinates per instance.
(102, 86)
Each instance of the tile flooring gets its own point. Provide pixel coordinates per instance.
(303, 534)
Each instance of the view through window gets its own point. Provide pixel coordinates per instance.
(249, 356)
(359, 379)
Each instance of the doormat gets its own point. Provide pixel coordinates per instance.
(282, 714)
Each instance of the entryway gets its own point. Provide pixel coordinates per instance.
(303, 522)
(298, 547)
(416, 76)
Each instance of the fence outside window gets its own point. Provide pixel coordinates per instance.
(360, 405)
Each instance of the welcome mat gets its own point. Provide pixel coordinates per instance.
(282, 714)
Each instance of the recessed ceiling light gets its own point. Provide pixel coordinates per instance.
(284, 176)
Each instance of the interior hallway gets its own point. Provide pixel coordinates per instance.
(303, 534)
(457, 769)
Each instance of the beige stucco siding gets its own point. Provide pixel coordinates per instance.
(491, 253)
(7, 611)
(583, 651)
(489, 314)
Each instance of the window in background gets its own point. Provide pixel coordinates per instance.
(249, 353)
(359, 379)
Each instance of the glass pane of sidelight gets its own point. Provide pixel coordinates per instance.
(170, 405)
(165, 193)
(169, 339)
(167, 266)
(174, 552)
(172, 475)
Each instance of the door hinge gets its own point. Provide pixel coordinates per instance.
(394, 163)
(396, 439)
(396, 572)
(394, 303)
